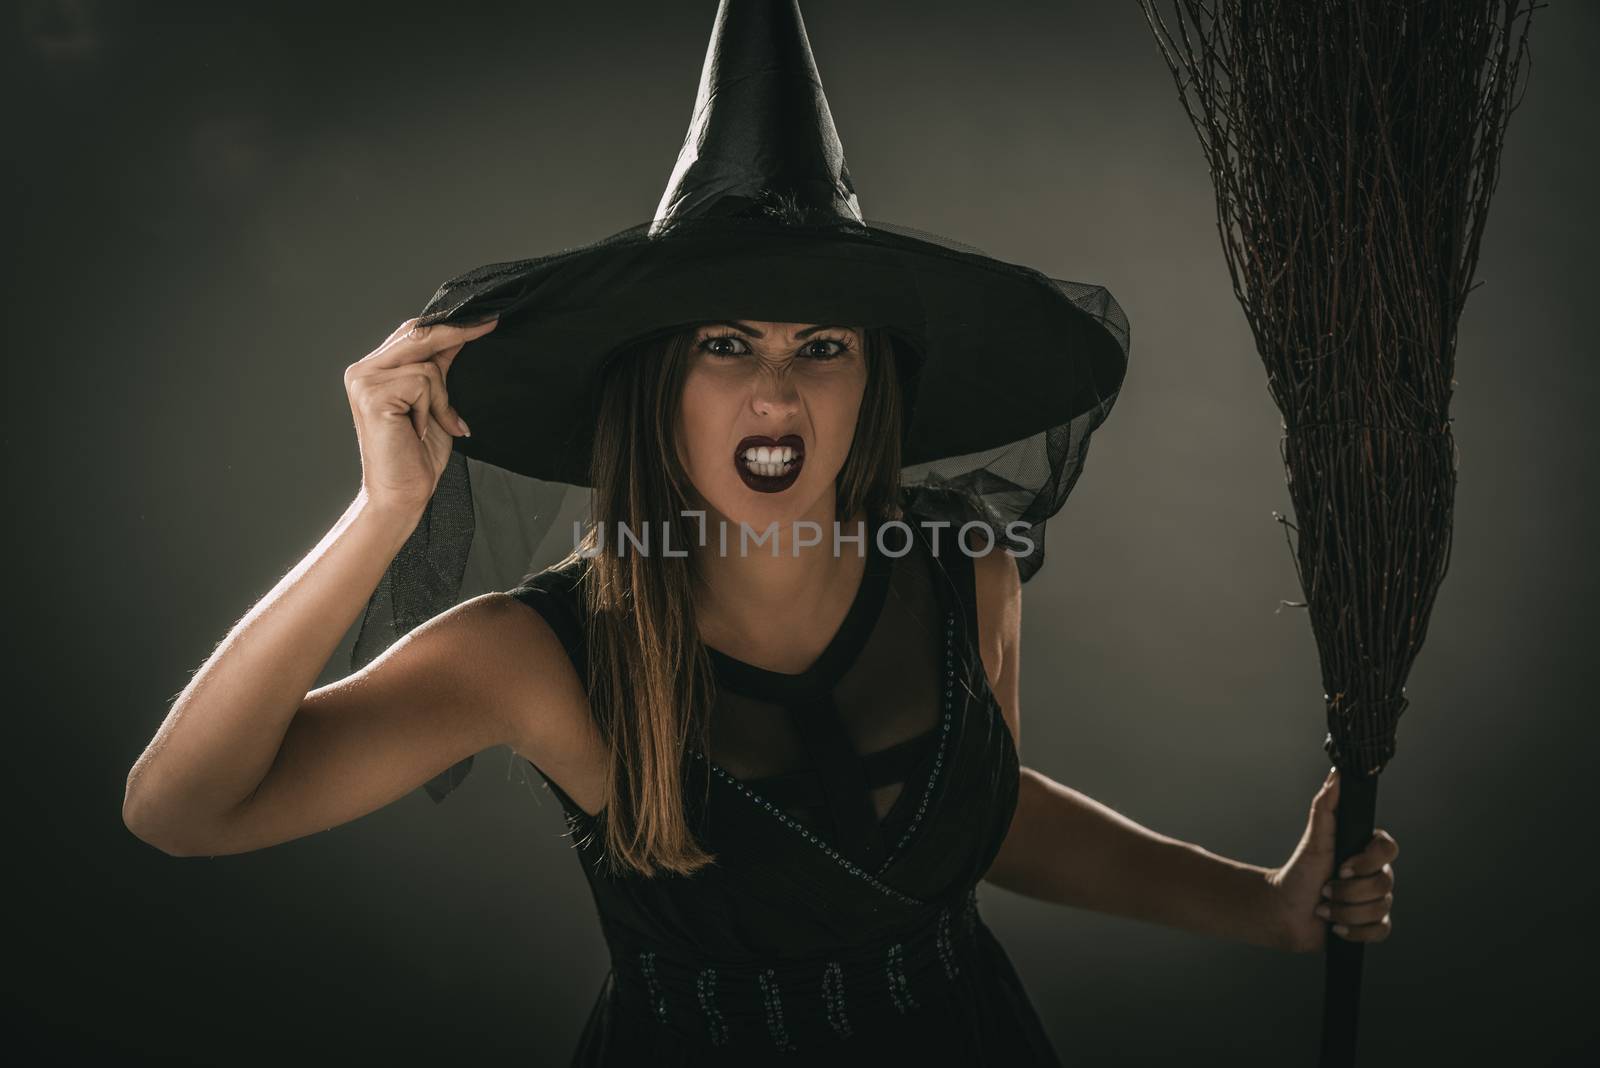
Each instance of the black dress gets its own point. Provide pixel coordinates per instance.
(853, 809)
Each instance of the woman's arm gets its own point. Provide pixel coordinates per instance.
(224, 730)
(1067, 848)
(247, 758)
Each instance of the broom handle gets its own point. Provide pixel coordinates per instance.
(1341, 1003)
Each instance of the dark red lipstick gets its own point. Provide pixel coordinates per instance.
(769, 483)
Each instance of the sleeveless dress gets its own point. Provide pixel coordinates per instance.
(853, 809)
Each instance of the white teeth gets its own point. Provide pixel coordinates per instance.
(769, 454)
(769, 461)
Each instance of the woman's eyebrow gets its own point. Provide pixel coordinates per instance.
(744, 329)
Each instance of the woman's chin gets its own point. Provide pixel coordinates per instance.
(765, 515)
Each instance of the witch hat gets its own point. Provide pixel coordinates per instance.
(761, 138)
(1007, 370)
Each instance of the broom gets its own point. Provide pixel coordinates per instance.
(1354, 146)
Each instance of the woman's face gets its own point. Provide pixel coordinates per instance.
(792, 389)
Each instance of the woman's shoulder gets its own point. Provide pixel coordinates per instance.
(556, 593)
(982, 572)
(541, 684)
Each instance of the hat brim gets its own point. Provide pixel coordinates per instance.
(1005, 351)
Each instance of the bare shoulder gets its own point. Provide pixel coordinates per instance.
(486, 672)
(999, 590)
(535, 692)
(999, 610)
(509, 661)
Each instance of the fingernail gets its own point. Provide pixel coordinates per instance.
(1327, 889)
(1340, 929)
(464, 428)
(1346, 871)
(1324, 911)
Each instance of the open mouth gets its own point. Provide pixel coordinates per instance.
(769, 464)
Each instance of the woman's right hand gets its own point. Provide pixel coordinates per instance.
(405, 426)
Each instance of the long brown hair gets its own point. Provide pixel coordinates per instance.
(649, 679)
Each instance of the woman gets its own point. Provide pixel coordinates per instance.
(248, 759)
(787, 763)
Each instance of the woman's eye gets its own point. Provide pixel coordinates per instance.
(709, 344)
(840, 351)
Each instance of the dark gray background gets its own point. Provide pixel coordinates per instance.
(221, 205)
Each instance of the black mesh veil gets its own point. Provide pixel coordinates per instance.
(481, 532)
(487, 528)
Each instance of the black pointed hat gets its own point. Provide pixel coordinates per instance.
(761, 140)
(1007, 370)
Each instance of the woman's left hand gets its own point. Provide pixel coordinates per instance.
(1309, 897)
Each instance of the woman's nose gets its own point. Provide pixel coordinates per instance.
(775, 391)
